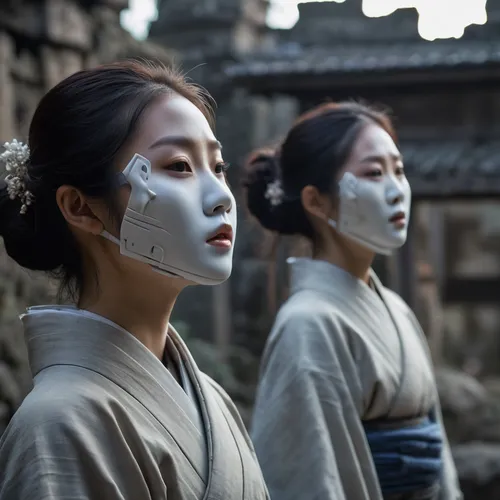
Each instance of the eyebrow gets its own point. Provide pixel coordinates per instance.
(184, 142)
(380, 159)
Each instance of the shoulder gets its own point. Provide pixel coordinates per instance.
(310, 336)
(306, 310)
(64, 431)
(307, 322)
(54, 409)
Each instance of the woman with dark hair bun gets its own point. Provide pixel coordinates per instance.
(347, 407)
(121, 194)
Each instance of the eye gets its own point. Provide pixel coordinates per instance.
(179, 166)
(221, 167)
(374, 172)
(400, 171)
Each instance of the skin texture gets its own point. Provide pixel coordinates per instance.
(373, 156)
(129, 292)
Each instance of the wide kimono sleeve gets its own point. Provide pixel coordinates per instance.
(306, 427)
(62, 450)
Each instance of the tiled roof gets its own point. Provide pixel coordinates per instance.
(452, 168)
(380, 57)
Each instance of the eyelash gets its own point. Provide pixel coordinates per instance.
(224, 166)
(379, 173)
(179, 162)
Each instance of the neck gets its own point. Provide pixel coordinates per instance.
(139, 310)
(355, 260)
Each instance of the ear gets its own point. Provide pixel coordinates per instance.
(315, 203)
(76, 210)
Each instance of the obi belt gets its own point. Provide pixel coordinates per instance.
(407, 457)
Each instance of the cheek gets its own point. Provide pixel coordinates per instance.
(407, 192)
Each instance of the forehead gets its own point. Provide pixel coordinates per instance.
(171, 115)
(374, 140)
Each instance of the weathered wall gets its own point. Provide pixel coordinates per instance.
(41, 42)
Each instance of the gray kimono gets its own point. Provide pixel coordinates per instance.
(335, 359)
(107, 421)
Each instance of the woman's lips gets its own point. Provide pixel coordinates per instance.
(223, 238)
(399, 220)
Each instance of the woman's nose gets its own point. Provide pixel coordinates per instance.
(395, 193)
(218, 198)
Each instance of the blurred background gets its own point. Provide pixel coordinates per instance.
(434, 63)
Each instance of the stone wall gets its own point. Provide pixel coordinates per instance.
(41, 42)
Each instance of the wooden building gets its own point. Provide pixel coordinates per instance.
(444, 94)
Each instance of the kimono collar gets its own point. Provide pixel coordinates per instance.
(53, 333)
(66, 336)
(328, 279)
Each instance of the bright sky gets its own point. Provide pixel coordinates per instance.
(438, 18)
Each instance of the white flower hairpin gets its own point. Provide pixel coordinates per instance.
(15, 157)
(274, 193)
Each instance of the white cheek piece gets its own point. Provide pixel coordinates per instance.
(136, 174)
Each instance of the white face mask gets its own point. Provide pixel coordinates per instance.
(366, 208)
(170, 223)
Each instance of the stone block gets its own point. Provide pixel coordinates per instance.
(478, 468)
(69, 24)
(26, 67)
(59, 63)
(7, 118)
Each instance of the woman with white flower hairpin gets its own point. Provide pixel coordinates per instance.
(347, 407)
(122, 195)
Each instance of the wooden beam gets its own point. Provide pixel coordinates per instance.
(471, 290)
(407, 274)
(413, 81)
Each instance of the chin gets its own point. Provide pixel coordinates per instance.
(217, 276)
(398, 240)
(209, 274)
(397, 234)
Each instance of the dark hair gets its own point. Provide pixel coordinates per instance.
(76, 132)
(313, 153)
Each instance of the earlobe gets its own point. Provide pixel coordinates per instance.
(76, 210)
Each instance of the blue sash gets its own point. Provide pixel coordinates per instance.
(407, 459)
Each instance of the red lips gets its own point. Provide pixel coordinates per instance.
(400, 216)
(223, 237)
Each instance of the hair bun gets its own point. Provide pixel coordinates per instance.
(26, 241)
(262, 170)
(286, 217)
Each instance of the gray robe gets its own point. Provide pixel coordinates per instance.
(107, 421)
(333, 358)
